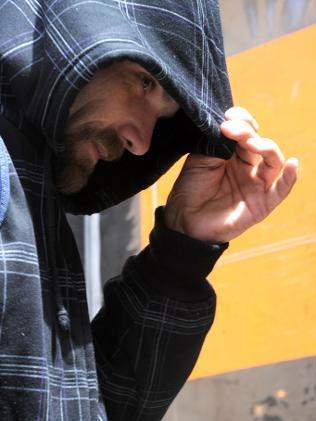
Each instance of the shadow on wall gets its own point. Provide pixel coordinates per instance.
(258, 21)
(293, 13)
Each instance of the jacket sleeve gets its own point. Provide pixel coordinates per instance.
(150, 331)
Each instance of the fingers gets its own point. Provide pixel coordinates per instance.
(240, 126)
(246, 156)
(241, 131)
(282, 187)
(263, 155)
(272, 159)
(239, 113)
(238, 130)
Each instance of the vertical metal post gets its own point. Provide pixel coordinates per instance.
(92, 263)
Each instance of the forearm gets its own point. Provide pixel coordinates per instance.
(150, 332)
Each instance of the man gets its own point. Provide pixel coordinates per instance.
(98, 99)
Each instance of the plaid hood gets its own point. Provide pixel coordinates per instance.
(50, 49)
(160, 308)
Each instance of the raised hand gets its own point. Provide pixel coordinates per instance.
(215, 200)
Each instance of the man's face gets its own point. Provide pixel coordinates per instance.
(117, 110)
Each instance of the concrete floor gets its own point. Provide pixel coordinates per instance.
(278, 392)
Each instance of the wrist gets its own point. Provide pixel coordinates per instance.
(186, 225)
(176, 265)
(174, 220)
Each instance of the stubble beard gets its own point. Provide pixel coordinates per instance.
(76, 167)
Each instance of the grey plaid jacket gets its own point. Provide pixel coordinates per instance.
(150, 330)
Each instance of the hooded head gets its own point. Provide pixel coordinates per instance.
(51, 50)
(117, 111)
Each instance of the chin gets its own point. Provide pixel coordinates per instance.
(73, 179)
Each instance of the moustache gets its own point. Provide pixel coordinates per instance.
(111, 145)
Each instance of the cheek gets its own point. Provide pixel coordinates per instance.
(82, 154)
(108, 108)
(109, 111)
(88, 152)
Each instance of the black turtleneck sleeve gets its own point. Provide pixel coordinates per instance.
(155, 317)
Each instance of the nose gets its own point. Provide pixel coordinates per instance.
(136, 139)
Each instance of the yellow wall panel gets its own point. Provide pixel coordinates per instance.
(266, 282)
(266, 312)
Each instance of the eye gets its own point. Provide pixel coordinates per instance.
(146, 82)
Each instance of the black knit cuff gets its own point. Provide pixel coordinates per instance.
(176, 265)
